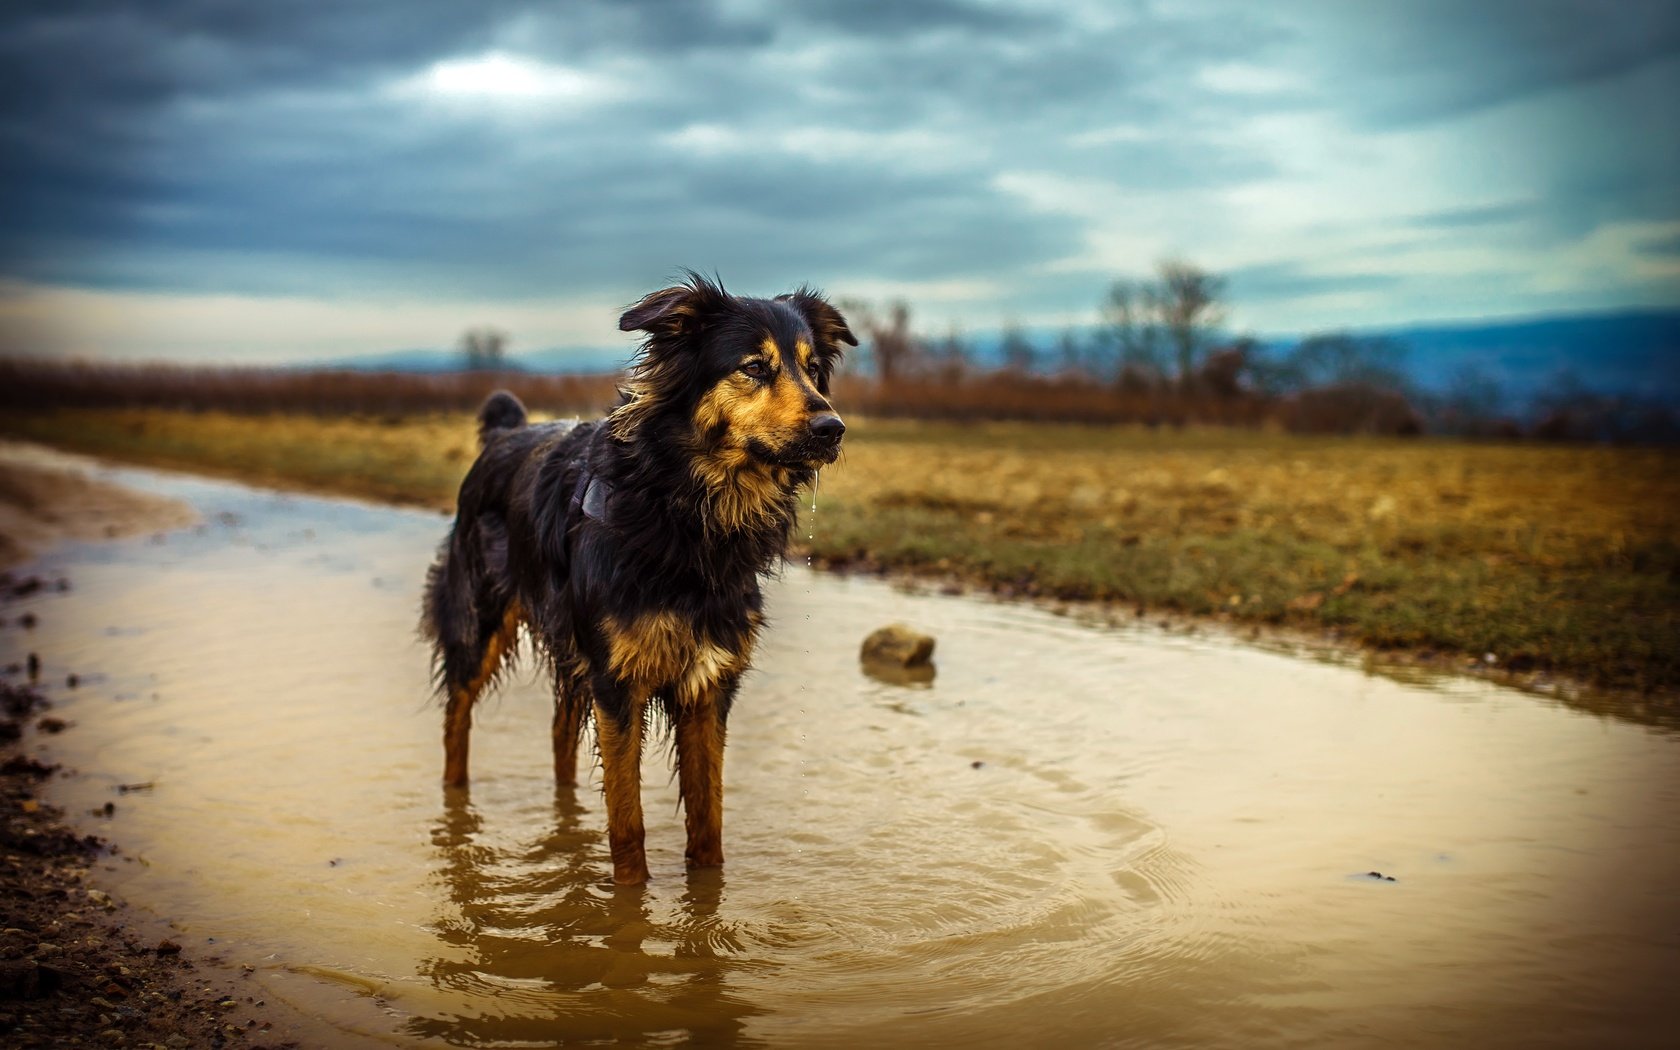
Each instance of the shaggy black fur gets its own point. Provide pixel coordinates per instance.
(577, 529)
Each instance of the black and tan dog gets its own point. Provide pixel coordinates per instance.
(632, 546)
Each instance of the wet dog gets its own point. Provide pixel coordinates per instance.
(632, 547)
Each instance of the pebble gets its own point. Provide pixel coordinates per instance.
(898, 644)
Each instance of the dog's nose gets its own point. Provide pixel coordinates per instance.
(827, 427)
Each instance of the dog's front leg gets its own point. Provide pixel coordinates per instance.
(618, 727)
(700, 737)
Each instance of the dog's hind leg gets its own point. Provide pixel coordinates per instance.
(495, 640)
(618, 728)
(571, 704)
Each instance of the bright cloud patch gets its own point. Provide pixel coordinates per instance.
(499, 76)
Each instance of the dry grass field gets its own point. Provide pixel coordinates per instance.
(1551, 558)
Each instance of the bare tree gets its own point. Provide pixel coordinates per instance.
(1132, 331)
(1191, 311)
(484, 349)
(890, 342)
(1163, 326)
(1343, 359)
(947, 359)
(1224, 368)
(1346, 384)
(1472, 404)
(1016, 350)
(1072, 354)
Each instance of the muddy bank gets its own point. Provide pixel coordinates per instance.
(42, 503)
(76, 967)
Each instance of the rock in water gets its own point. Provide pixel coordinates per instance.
(898, 645)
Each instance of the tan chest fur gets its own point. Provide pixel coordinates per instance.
(660, 651)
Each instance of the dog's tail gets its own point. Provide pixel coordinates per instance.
(501, 411)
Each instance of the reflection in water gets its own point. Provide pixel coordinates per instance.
(566, 954)
(897, 674)
(1075, 836)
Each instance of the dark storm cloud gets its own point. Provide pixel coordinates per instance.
(894, 18)
(209, 128)
(1291, 280)
(91, 62)
(286, 146)
(1462, 218)
(466, 208)
(1047, 74)
(86, 89)
(1402, 64)
(1668, 246)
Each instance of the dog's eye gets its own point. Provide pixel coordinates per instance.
(756, 369)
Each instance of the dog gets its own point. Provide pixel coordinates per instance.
(632, 547)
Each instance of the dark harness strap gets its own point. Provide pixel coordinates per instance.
(591, 495)
(595, 498)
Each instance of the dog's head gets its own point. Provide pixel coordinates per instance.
(744, 380)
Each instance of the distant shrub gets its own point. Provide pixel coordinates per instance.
(1351, 408)
(32, 383)
(1566, 409)
(1067, 398)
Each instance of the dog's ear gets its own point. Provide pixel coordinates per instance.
(825, 321)
(678, 310)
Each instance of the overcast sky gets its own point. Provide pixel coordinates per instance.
(288, 180)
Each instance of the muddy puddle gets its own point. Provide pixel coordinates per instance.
(1074, 836)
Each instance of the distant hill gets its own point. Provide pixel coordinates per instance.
(1623, 352)
(1632, 352)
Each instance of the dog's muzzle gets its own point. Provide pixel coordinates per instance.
(818, 446)
(826, 430)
